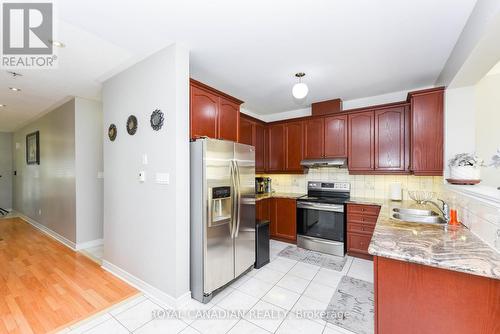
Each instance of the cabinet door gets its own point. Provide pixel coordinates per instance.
(276, 154)
(314, 138)
(286, 219)
(427, 133)
(229, 116)
(260, 148)
(263, 209)
(294, 146)
(390, 139)
(273, 210)
(246, 131)
(336, 136)
(361, 141)
(204, 110)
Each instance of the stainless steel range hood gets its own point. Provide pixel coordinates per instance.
(317, 163)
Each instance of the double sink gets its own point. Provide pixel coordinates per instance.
(417, 216)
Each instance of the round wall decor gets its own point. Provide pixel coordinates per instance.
(157, 119)
(112, 132)
(132, 125)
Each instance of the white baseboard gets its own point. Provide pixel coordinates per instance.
(89, 244)
(162, 298)
(48, 232)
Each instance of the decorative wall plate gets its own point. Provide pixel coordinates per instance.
(132, 125)
(157, 119)
(112, 132)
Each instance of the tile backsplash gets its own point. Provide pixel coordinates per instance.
(371, 186)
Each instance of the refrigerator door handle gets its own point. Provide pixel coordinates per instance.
(233, 194)
(238, 199)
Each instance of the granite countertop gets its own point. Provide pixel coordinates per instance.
(453, 247)
(259, 197)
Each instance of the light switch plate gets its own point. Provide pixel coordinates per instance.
(144, 159)
(100, 175)
(162, 178)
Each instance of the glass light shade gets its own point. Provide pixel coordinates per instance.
(300, 90)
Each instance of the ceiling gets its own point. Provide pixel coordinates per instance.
(249, 49)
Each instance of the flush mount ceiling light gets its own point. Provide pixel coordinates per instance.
(300, 89)
(14, 89)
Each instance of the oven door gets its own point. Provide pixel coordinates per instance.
(317, 220)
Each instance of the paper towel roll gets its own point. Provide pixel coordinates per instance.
(395, 191)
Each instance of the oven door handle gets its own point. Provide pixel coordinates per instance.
(321, 207)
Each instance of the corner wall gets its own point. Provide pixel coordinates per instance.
(146, 225)
(6, 170)
(46, 192)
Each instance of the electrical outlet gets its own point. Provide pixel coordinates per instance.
(39, 212)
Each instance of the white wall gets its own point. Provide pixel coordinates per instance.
(6, 170)
(146, 225)
(460, 122)
(88, 164)
(488, 125)
(46, 192)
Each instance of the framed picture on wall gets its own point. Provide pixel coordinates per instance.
(33, 148)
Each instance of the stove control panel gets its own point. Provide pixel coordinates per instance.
(329, 186)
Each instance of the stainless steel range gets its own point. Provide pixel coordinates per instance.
(321, 224)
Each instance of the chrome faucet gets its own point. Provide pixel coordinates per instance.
(444, 209)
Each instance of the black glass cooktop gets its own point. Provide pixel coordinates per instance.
(324, 199)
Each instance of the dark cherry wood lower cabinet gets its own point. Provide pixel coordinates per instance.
(417, 299)
(263, 209)
(284, 219)
(361, 220)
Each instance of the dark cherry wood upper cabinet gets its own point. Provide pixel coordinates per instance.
(293, 146)
(335, 137)
(390, 139)
(229, 117)
(361, 141)
(213, 113)
(204, 110)
(260, 148)
(246, 131)
(427, 131)
(276, 145)
(314, 138)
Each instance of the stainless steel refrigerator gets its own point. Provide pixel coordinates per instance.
(222, 214)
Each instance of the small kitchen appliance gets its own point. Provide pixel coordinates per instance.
(262, 185)
(321, 224)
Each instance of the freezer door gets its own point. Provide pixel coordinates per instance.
(244, 233)
(219, 255)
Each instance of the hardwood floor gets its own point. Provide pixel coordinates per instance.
(45, 286)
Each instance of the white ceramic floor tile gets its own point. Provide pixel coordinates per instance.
(246, 327)
(332, 329)
(269, 275)
(191, 308)
(281, 264)
(281, 297)
(238, 301)
(310, 308)
(222, 294)
(110, 326)
(294, 283)
(278, 244)
(127, 304)
(163, 326)
(328, 277)
(87, 324)
(137, 315)
(292, 325)
(361, 269)
(241, 280)
(266, 316)
(255, 287)
(304, 270)
(320, 292)
(215, 325)
(189, 330)
(347, 265)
